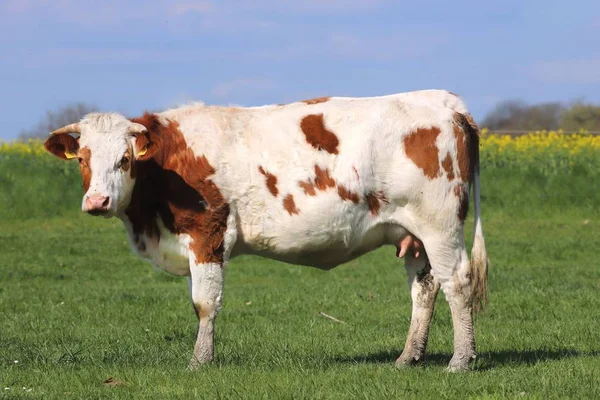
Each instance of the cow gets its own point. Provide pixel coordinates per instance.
(315, 183)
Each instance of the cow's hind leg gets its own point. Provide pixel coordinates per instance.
(451, 267)
(423, 291)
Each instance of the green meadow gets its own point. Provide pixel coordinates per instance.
(82, 317)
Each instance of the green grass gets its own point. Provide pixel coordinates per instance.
(76, 307)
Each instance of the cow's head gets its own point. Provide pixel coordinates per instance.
(107, 147)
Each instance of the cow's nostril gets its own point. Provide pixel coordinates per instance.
(105, 202)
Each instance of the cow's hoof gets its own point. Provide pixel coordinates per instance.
(196, 363)
(408, 360)
(460, 363)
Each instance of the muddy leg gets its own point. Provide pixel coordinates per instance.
(423, 290)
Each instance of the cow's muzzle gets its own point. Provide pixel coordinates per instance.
(97, 204)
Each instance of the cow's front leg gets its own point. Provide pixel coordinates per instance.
(209, 253)
(207, 294)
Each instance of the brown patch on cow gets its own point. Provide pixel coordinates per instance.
(345, 194)
(322, 182)
(448, 167)
(374, 201)
(420, 147)
(290, 205)
(173, 184)
(466, 133)
(308, 187)
(461, 191)
(85, 155)
(271, 181)
(317, 135)
(316, 100)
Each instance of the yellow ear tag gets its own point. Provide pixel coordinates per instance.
(70, 155)
(142, 152)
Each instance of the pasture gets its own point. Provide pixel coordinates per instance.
(77, 308)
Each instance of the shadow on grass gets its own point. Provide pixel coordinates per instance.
(485, 360)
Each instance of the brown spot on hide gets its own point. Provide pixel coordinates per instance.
(466, 133)
(308, 187)
(290, 205)
(316, 100)
(60, 144)
(420, 147)
(85, 156)
(345, 194)
(317, 135)
(271, 181)
(173, 184)
(322, 182)
(374, 201)
(448, 167)
(461, 191)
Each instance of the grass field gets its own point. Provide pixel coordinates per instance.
(77, 308)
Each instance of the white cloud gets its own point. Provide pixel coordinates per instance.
(191, 6)
(242, 86)
(569, 71)
(342, 46)
(320, 6)
(242, 8)
(184, 15)
(63, 57)
(383, 46)
(83, 13)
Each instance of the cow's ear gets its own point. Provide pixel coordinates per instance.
(62, 146)
(143, 147)
(144, 137)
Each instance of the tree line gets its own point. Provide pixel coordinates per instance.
(518, 115)
(507, 115)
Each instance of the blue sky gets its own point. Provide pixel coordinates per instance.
(130, 56)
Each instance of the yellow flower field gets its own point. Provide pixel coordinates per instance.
(32, 146)
(544, 151)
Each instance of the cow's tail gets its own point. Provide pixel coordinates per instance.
(479, 260)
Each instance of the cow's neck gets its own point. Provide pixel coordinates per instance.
(162, 194)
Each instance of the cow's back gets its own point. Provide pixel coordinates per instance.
(320, 180)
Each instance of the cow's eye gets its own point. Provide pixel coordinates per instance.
(124, 161)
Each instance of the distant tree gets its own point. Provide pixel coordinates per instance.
(581, 116)
(56, 119)
(515, 114)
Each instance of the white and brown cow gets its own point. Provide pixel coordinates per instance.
(316, 183)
